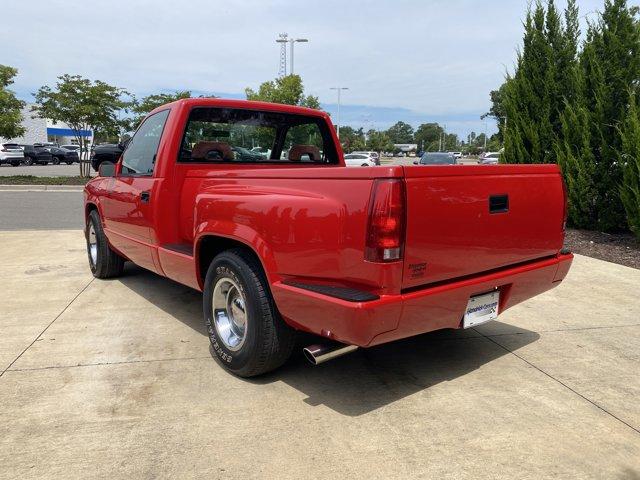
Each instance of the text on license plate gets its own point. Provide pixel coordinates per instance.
(481, 309)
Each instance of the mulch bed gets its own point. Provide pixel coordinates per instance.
(620, 248)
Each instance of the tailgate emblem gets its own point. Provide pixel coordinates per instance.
(417, 270)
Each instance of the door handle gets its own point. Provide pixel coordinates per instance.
(145, 197)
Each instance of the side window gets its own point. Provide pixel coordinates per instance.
(140, 156)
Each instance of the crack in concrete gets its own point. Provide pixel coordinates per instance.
(601, 408)
(98, 364)
(46, 328)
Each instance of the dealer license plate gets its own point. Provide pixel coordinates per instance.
(481, 309)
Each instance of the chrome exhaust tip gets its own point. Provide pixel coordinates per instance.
(321, 353)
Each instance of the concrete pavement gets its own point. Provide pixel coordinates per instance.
(114, 379)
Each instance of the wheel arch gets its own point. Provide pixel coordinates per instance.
(210, 245)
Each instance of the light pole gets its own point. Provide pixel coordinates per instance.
(339, 89)
(485, 135)
(292, 41)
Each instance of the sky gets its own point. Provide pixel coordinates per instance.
(412, 60)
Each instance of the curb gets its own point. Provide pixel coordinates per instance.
(41, 188)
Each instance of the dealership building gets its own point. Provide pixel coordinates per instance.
(43, 130)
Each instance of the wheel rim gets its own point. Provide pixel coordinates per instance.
(229, 313)
(92, 244)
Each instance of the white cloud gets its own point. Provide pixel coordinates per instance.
(435, 58)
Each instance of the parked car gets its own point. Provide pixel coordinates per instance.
(356, 257)
(359, 160)
(242, 154)
(105, 153)
(36, 154)
(12, 154)
(265, 152)
(62, 155)
(75, 148)
(437, 158)
(374, 155)
(458, 155)
(490, 158)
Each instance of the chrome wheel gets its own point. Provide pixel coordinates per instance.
(92, 244)
(229, 313)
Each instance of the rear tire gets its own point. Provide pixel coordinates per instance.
(103, 261)
(247, 334)
(56, 161)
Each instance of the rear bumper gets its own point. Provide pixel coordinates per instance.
(392, 317)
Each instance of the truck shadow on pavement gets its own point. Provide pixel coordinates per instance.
(360, 382)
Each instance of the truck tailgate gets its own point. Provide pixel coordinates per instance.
(464, 220)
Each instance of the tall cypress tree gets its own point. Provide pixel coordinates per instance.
(630, 161)
(610, 64)
(534, 97)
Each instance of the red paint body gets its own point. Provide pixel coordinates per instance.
(308, 223)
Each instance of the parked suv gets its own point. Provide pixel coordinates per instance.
(359, 160)
(105, 153)
(36, 154)
(374, 155)
(63, 155)
(12, 154)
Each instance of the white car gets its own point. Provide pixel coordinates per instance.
(491, 158)
(373, 155)
(458, 155)
(359, 160)
(12, 154)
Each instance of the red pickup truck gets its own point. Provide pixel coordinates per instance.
(251, 204)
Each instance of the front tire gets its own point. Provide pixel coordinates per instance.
(246, 332)
(103, 261)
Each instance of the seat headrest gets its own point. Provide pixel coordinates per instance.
(297, 151)
(212, 151)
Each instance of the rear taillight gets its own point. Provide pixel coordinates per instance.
(385, 231)
(565, 212)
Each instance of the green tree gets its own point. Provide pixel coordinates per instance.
(10, 106)
(427, 136)
(630, 161)
(352, 139)
(288, 90)
(401, 132)
(379, 141)
(610, 68)
(533, 99)
(497, 110)
(141, 108)
(83, 105)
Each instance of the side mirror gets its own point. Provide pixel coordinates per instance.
(107, 169)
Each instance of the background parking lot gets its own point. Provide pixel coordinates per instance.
(114, 379)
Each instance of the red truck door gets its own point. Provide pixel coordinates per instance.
(128, 208)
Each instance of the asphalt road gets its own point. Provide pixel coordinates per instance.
(40, 210)
(41, 170)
